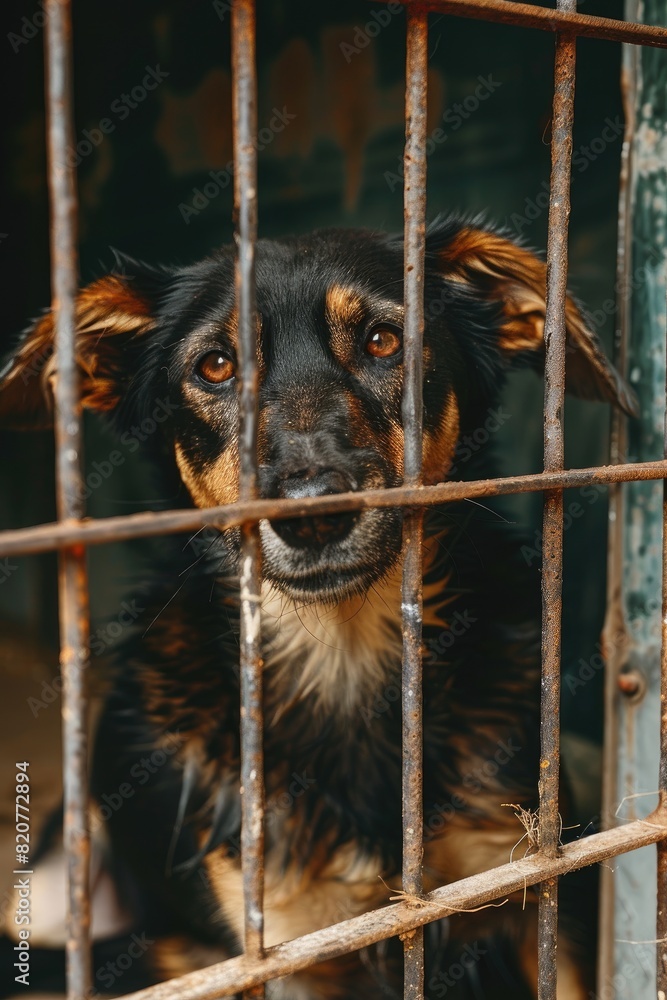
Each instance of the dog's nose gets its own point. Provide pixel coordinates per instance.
(309, 532)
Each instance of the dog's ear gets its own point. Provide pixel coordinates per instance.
(113, 315)
(493, 266)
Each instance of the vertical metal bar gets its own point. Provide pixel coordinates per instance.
(615, 633)
(72, 582)
(411, 605)
(552, 566)
(661, 914)
(245, 206)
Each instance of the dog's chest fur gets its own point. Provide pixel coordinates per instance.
(332, 736)
(337, 657)
(330, 674)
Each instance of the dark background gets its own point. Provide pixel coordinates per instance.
(328, 167)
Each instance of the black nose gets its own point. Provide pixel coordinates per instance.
(309, 532)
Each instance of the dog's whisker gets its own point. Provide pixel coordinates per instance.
(489, 509)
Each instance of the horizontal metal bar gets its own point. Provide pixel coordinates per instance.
(102, 531)
(362, 931)
(546, 19)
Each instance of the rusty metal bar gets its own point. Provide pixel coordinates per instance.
(615, 624)
(554, 395)
(377, 925)
(661, 910)
(413, 523)
(548, 19)
(244, 84)
(554, 458)
(102, 531)
(72, 581)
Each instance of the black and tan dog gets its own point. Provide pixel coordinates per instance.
(330, 361)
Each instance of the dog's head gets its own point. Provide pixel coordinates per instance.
(156, 343)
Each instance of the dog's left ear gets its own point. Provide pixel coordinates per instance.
(113, 317)
(502, 271)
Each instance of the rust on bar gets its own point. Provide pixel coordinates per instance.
(615, 624)
(616, 635)
(245, 207)
(554, 396)
(369, 928)
(414, 195)
(661, 912)
(554, 460)
(72, 577)
(104, 530)
(548, 19)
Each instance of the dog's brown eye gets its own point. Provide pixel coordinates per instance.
(383, 342)
(215, 368)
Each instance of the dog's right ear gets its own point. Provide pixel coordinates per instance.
(113, 316)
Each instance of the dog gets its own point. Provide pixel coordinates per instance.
(330, 318)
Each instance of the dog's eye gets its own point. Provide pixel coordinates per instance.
(383, 342)
(214, 368)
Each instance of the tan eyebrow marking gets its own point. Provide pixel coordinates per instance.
(231, 327)
(343, 310)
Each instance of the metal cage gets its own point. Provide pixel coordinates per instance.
(72, 534)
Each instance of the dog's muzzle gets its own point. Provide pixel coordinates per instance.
(315, 532)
